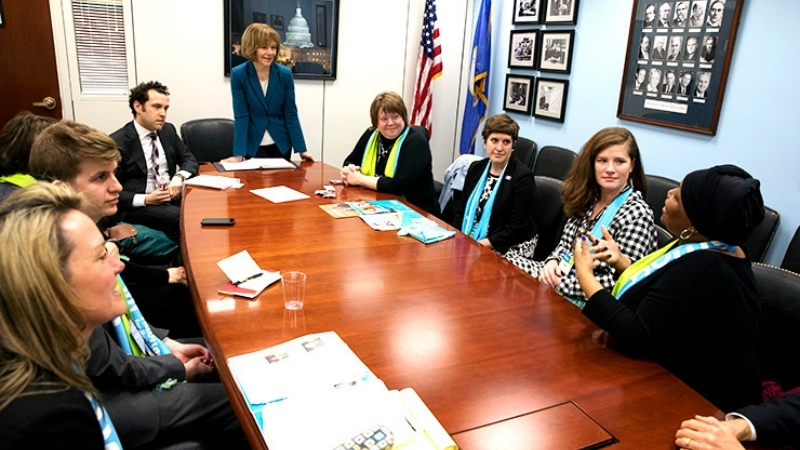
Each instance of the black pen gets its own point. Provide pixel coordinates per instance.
(248, 278)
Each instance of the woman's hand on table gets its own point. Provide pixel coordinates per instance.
(305, 156)
(550, 273)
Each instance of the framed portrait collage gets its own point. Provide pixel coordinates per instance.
(677, 63)
(543, 50)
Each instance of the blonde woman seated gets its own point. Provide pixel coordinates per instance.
(57, 284)
(390, 157)
(603, 197)
(495, 207)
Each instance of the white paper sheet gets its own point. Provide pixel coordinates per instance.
(279, 194)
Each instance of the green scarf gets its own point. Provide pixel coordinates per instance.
(18, 179)
(370, 159)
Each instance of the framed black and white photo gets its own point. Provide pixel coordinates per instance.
(308, 30)
(527, 11)
(555, 51)
(550, 99)
(2, 20)
(686, 66)
(561, 12)
(276, 22)
(518, 94)
(522, 49)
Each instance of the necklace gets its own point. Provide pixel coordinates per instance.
(383, 151)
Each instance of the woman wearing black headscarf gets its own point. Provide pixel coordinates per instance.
(697, 290)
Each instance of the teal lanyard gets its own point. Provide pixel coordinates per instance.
(608, 215)
(670, 256)
(603, 221)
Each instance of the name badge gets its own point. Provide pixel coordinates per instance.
(566, 263)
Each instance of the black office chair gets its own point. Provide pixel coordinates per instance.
(525, 151)
(791, 260)
(663, 237)
(554, 162)
(422, 131)
(437, 185)
(210, 140)
(778, 341)
(657, 188)
(763, 234)
(548, 214)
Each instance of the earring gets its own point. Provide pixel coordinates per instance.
(687, 233)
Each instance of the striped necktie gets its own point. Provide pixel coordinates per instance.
(154, 157)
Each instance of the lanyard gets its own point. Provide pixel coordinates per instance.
(567, 261)
(657, 260)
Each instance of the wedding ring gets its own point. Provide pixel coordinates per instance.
(688, 442)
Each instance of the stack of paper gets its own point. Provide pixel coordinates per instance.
(214, 182)
(314, 393)
(280, 194)
(259, 163)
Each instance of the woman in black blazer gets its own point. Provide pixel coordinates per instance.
(501, 184)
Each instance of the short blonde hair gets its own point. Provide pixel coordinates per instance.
(257, 35)
(41, 316)
(388, 102)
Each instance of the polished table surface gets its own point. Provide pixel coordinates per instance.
(480, 341)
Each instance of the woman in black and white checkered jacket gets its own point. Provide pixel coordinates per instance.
(603, 195)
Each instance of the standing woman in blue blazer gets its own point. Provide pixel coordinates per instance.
(266, 123)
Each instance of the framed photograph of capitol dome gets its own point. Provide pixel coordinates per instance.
(308, 31)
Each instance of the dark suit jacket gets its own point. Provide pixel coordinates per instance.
(131, 380)
(254, 113)
(707, 56)
(657, 53)
(54, 420)
(668, 89)
(777, 422)
(132, 170)
(511, 221)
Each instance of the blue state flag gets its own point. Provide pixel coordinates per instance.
(477, 98)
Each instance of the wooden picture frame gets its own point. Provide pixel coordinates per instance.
(518, 94)
(555, 51)
(561, 12)
(550, 100)
(522, 46)
(527, 12)
(311, 54)
(677, 65)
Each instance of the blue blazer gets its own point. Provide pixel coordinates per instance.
(254, 112)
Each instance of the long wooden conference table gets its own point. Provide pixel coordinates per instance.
(501, 360)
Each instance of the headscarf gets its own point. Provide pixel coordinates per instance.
(723, 203)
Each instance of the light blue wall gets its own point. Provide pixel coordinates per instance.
(759, 127)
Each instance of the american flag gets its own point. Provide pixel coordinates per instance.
(429, 67)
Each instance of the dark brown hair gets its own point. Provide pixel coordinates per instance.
(580, 189)
(16, 140)
(501, 123)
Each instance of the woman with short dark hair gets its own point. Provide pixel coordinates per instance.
(496, 206)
